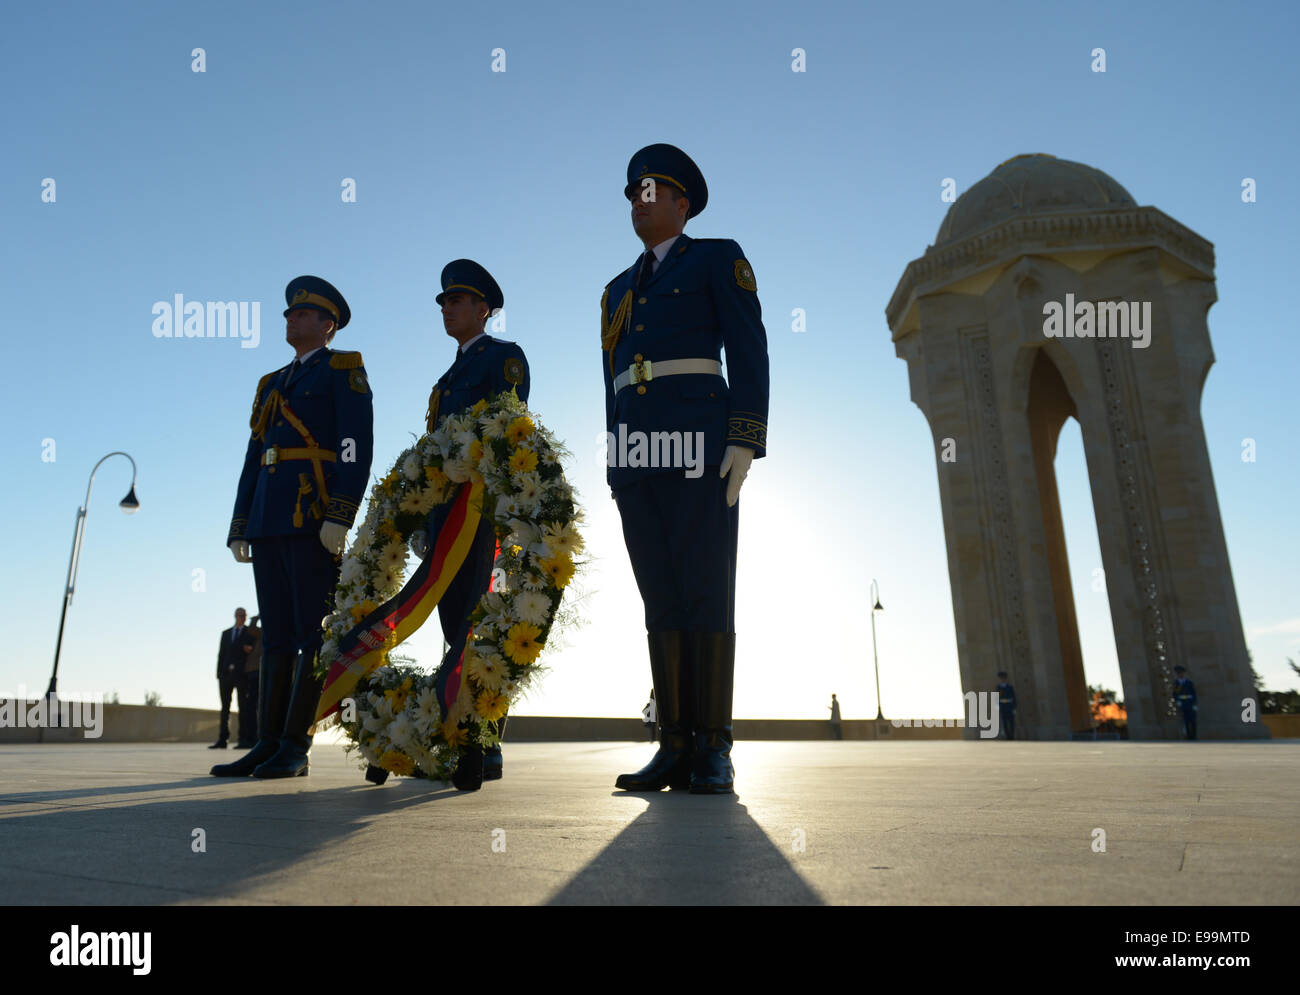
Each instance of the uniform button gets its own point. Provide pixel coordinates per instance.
(641, 301)
(270, 469)
(712, 394)
(446, 393)
(640, 328)
(637, 358)
(675, 290)
(641, 389)
(279, 424)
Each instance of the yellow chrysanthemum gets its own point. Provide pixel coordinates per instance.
(475, 451)
(453, 734)
(490, 705)
(362, 610)
(479, 406)
(389, 528)
(559, 568)
(521, 642)
(435, 476)
(520, 429)
(523, 460)
(393, 556)
(396, 762)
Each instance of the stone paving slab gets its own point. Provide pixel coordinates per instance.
(928, 823)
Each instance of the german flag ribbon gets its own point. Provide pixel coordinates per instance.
(362, 650)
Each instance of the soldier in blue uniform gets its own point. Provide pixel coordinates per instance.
(681, 439)
(483, 366)
(1006, 705)
(305, 472)
(1185, 696)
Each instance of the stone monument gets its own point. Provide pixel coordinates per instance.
(1048, 294)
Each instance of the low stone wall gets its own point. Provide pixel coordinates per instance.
(144, 724)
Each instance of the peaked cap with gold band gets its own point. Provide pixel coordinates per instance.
(667, 164)
(467, 276)
(318, 295)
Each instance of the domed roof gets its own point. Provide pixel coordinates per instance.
(1030, 184)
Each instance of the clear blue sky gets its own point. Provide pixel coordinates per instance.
(225, 184)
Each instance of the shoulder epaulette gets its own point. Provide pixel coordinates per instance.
(346, 360)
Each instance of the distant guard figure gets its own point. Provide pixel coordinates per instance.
(305, 473)
(1006, 705)
(483, 366)
(232, 652)
(837, 727)
(1185, 696)
(665, 322)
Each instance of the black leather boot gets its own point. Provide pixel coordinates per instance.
(715, 655)
(468, 775)
(290, 758)
(274, 681)
(493, 765)
(672, 669)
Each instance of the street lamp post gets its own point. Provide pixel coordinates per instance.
(876, 607)
(128, 504)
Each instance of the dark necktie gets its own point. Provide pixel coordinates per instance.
(647, 269)
(235, 637)
(293, 372)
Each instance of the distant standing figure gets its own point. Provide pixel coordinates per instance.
(1185, 695)
(236, 643)
(248, 689)
(648, 715)
(837, 729)
(1006, 705)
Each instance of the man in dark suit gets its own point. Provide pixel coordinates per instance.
(665, 322)
(248, 690)
(483, 366)
(232, 653)
(305, 472)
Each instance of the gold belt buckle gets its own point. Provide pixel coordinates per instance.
(641, 371)
(270, 456)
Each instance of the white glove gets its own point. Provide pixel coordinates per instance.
(334, 537)
(420, 544)
(240, 548)
(737, 460)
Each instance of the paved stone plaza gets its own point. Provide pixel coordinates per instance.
(846, 822)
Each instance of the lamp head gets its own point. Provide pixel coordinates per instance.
(130, 504)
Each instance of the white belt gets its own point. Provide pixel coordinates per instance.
(643, 371)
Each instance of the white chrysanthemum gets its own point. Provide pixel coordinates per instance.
(393, 555)
(426, 706)
(532, 606)
(528, 495)
(388, 580)
(494, 426)
(457, 470)
(400, 731)
(533, 580)
(352, 570)
(510, 688)
(493, 602)
(411, 500)
(441, 440)
(507, 507)
(487, 670)
(564, 539)
(412, 467)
